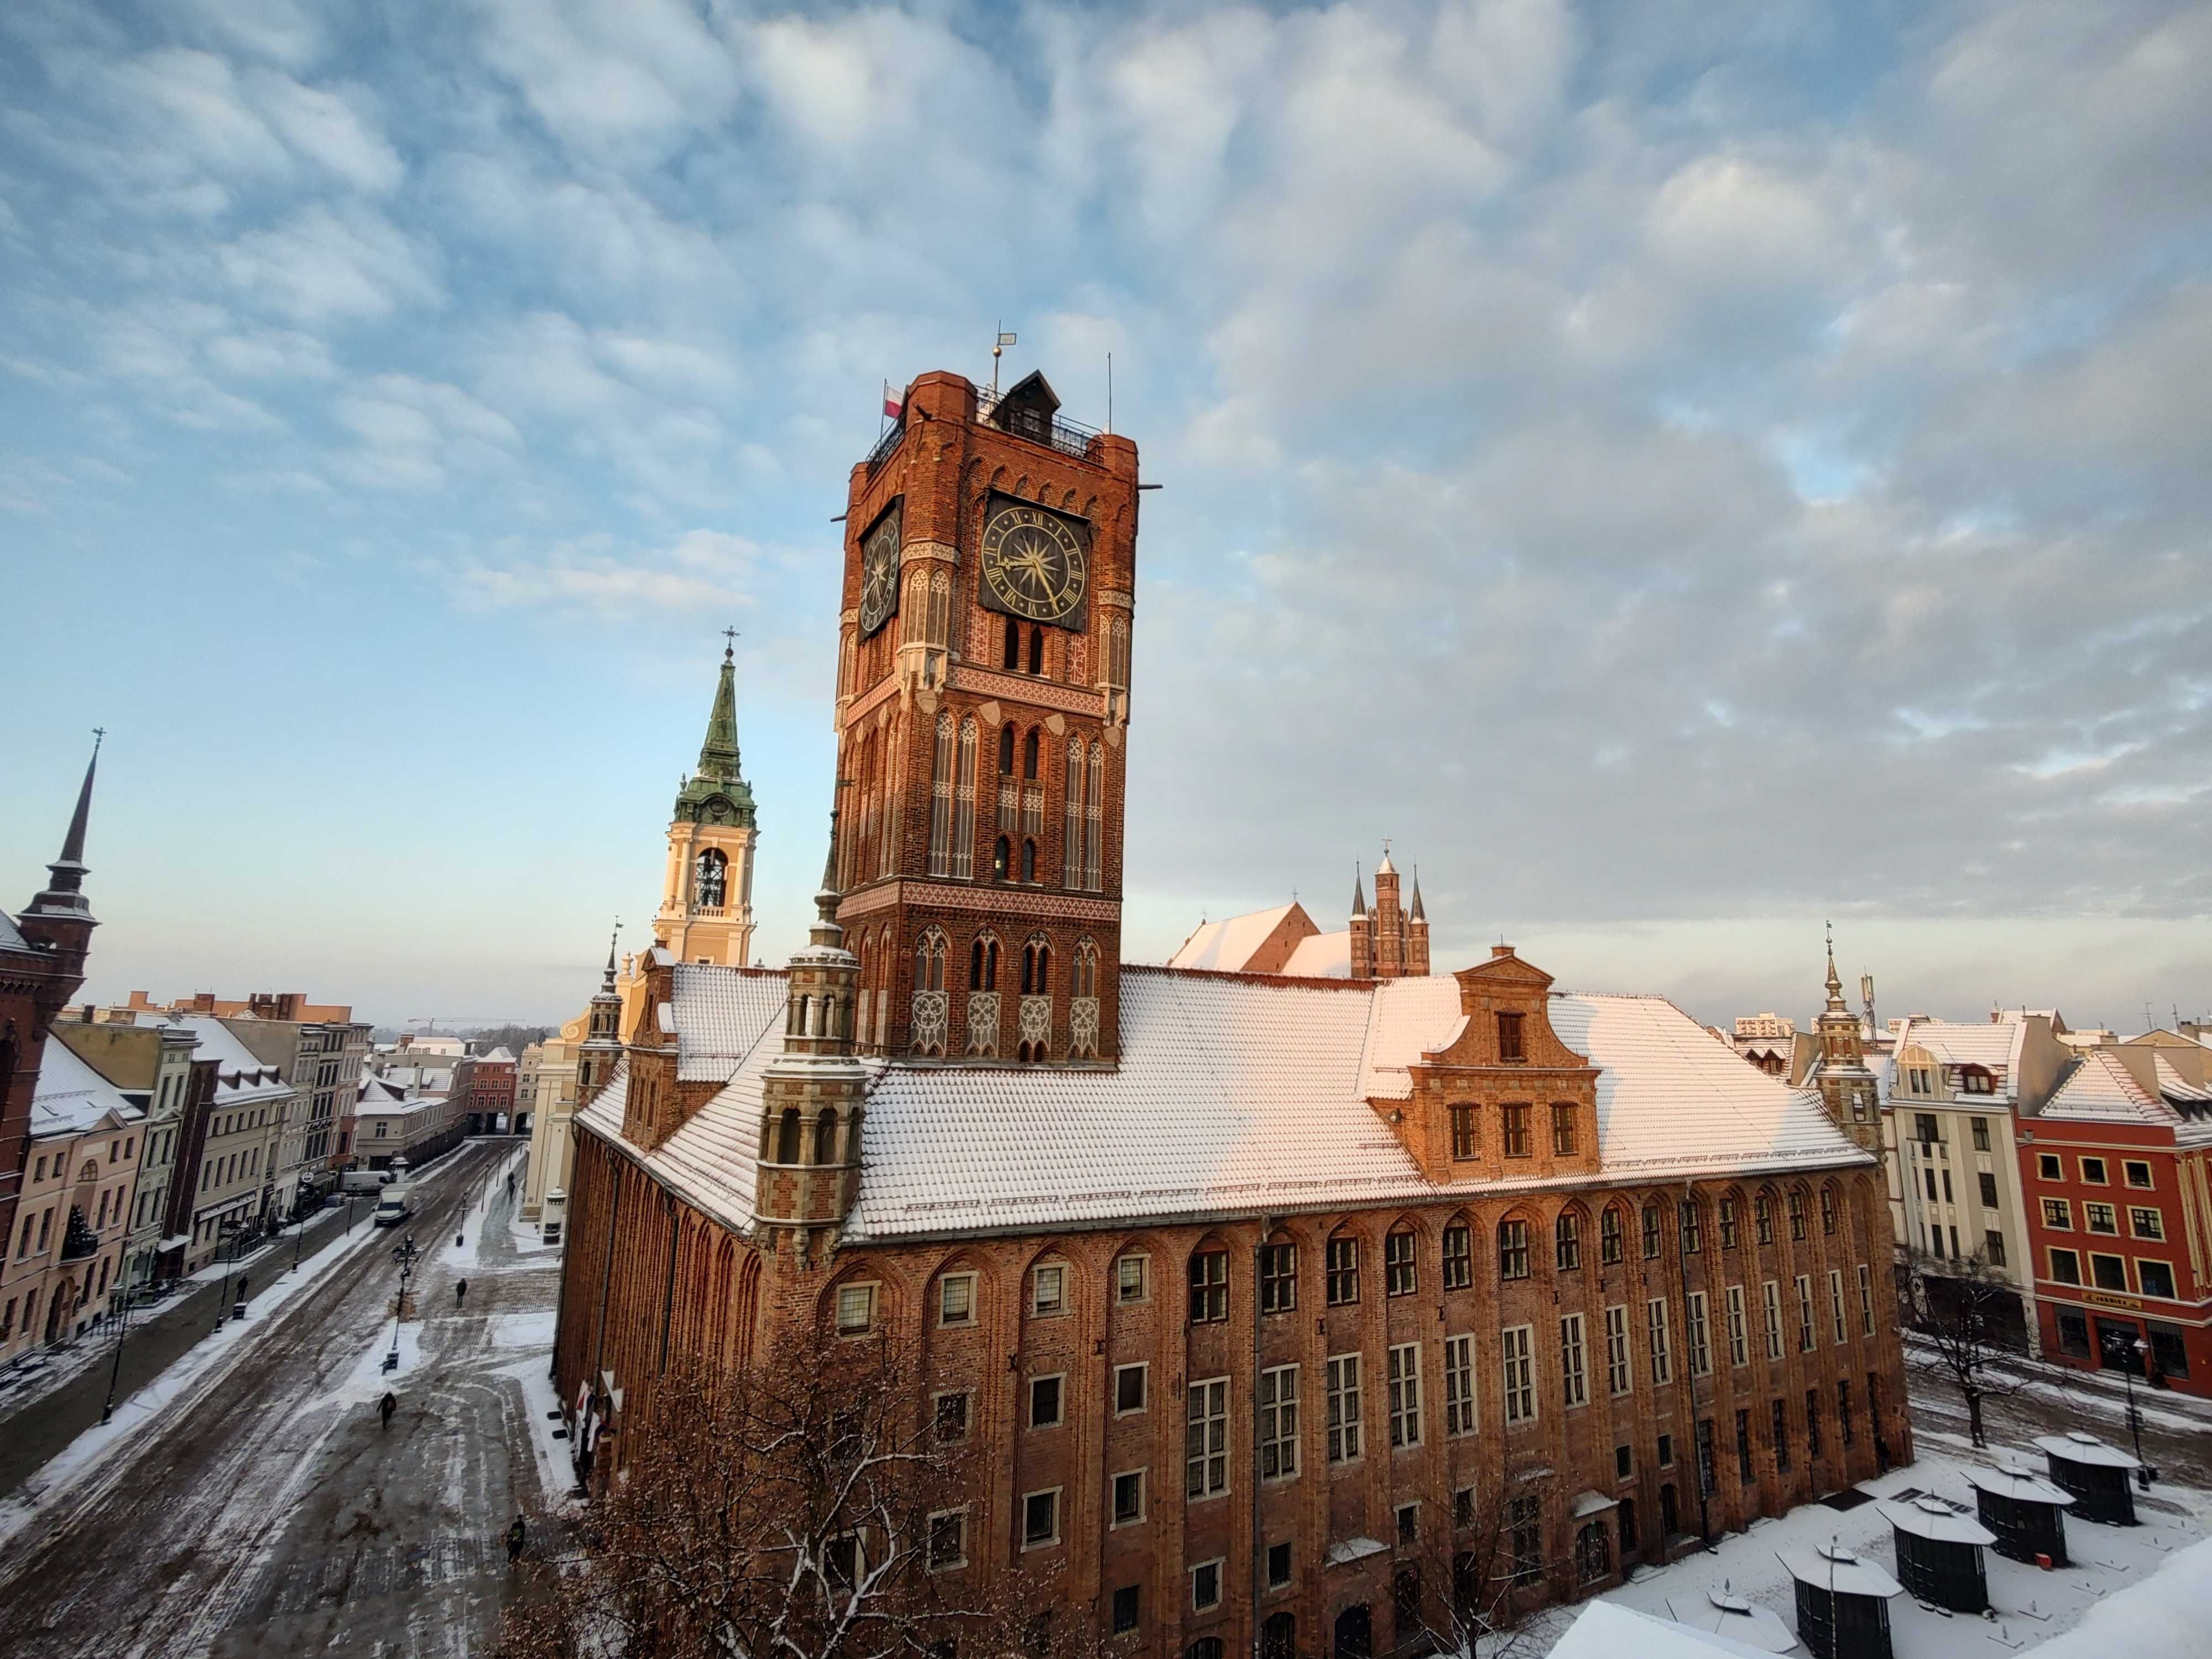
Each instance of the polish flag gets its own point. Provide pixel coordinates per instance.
(892, 407)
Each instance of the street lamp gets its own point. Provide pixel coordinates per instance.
(405, 1255)
(2131, 1354)
(230, 1232)
(115, 1375)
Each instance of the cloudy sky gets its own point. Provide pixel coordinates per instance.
(1684, 471)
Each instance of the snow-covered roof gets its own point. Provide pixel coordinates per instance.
(1606, 1630)
(499, 1055)
(2101, 1089)
(1930, 1518)
(1994, 1045)
(1833, 1567)
(1321, 956)
(70, 1098)
(2077, 1447)
(242, 1076)
(1228, 945)
(2018, 1484)
(720, 1013)
(2178, 1089)
(1235, 1094)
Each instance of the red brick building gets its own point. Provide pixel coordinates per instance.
(484, 1090)
(1255, 1288)
(42, 956)
(2116, 1170)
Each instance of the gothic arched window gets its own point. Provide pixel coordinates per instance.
(708, 880)
(1036, 968)
(1011, 657)
(1092, 839)
(1071, 818)
(787, 1140)
(825, 1138)
(963, 807)
(983, 964)
(1002, 853)
(1029, 861)
(1030, 754)
(940, 800)
(1006, 749)
(929, 952)
(1036, 651)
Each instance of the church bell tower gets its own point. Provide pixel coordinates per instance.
(706, 897)
(982, 709)
(1847, 1087)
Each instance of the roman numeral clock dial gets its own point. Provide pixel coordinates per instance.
(879, 572)
(1034, 563)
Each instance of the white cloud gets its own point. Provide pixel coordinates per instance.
(327, 266)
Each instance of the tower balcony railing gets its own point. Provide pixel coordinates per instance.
(1068, 437)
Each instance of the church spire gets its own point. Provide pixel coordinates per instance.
(1835, 982)
(1418, 914)
(718, 755)
(64, 898)
(1359, 893)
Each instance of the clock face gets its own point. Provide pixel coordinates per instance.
(879, 572)
(1033, 564)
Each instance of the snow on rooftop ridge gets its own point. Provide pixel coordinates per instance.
(1228, 943)
(70, 1097)
(2100, 1089)
(721, 1014)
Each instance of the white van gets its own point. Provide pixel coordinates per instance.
(393, 1207)
(365, 1180)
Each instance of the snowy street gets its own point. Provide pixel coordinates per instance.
(252, 1504)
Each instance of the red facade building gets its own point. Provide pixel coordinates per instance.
(2115, 1172)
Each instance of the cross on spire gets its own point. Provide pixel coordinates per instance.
(730, 635)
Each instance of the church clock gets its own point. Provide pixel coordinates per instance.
(1033, 564)
(879, 572)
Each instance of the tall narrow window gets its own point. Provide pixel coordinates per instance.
(1574, 1385)
(1404, 1381)
(1520, 1374)
(1804, 1313)
(1650, 1231)
(1209, 1287)
(1071, 869)
(1343, 1274)
(1700, 1334)
(1608, 1238)
(1093, 837)
(1692, 1215)
(940, 800)
(1509, 1037)
(963, 806)
(1030, 754)
(1841, 1326)
(1459, 1385)
(1466, 1134)
(1567, 1240)
(1278, 1278)
(1739, 1337)
(1563, 1130)
(1010, 656)
(1617, 1379)
(1206, 1439)
(1773, 1291)
(1515, 1117)
(1663, 1359)
(1279, 1422)
(1459, 1256)
(1342, 1375)
(1728, 1224)
(1513, 1249)
(1006, 749)
(1399, 1277)
(1866, 1300)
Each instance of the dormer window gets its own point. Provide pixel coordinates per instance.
(1976, 1080)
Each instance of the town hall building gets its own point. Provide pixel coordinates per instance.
(1256, 1280)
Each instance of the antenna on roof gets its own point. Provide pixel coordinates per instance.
(998, 347)
(1109, 392)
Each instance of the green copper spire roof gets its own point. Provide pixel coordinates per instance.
(717, 793)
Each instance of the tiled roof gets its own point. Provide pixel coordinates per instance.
(1994, 1045)
(2178, 1089)
(1228, 945)
(11, 938)
(241, 1076)
(2100, 1088)
(721, 1014)
(70, 1097)
(1235, 1094)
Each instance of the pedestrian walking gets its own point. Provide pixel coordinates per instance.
(515, 1536)
(386, 1406)
(460, 1292)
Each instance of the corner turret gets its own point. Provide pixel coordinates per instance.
(59, 920)
(813, 1094)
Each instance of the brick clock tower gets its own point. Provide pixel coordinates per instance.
(982, 709)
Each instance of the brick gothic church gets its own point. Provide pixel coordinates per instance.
(1257, 1286)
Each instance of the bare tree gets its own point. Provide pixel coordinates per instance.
(802, 1509)
(1481, 1571)
(1964, 1315)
